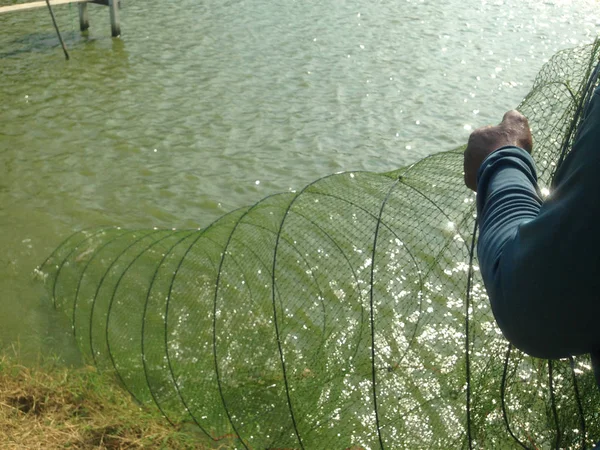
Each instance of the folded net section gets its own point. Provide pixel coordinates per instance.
(350, 314)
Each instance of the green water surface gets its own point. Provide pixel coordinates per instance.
(204, 106)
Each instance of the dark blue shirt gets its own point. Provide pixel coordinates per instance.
(540, 259)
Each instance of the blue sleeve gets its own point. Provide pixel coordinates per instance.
(540, 261)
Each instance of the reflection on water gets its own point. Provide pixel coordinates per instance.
(174, 123)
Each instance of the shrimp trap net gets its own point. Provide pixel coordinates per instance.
(348, 315)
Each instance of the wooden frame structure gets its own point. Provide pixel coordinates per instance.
(84, 24)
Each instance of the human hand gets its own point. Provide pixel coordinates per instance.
(513, 130)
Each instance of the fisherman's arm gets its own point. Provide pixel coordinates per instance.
(540, 261)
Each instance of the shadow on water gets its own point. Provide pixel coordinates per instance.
(42, 42)
(47, 42)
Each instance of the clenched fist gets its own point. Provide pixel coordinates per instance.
(513, 130)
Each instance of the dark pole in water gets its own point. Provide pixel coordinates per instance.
(57, 30)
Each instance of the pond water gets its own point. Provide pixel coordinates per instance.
(202, 107)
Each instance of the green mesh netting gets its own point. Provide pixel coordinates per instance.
(347, 315)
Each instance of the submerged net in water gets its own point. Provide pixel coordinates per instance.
(350, 314)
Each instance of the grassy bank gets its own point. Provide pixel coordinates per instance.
(50, 406)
